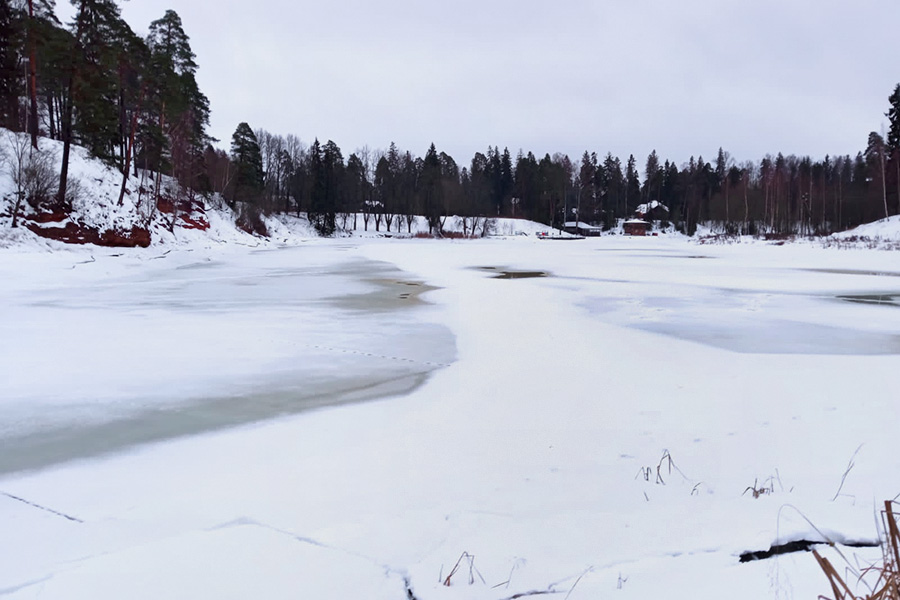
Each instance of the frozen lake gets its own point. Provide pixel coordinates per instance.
(127, 350)
(585, 419)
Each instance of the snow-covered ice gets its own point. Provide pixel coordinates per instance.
(145, 346)
(593, 432)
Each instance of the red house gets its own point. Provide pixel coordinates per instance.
(635, 227)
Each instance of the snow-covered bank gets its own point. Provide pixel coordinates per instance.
(597, 435)
(884, 233)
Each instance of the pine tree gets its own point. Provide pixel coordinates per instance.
(893, 115)
(391, 196)
(182, 111)
(527, 187)
(168, 40)
(507, 181)
(451, 190)
(431, 189)
(875, 157)
(652, 174)
(382, 189)
(89, 97)
(53, 57)
(632, 184)
(36, 10)
(326, 171)
(133, 61)
(247, 158)
(357, 187)
(671, 191)
(587, 196)
(893, 138)
(613, 188)
(12, 34)
(409, 190)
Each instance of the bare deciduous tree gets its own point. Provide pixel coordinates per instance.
(31, 172)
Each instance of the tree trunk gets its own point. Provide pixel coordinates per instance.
(884, 185)
(32, 78)
(15, 212)
(840, 204)
(130, 148)
(162, 128)
(66, 113)
(776, 205)
(897, 162)
(123, 129)
(727, 214)
(50, 111)
(809, 208)
(66, 133)
(746, 207)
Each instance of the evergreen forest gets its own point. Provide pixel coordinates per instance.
(134, 103)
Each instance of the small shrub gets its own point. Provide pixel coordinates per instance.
(32, 172)
(76, 193)
(250, 220)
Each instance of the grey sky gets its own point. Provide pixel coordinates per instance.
(626, 76)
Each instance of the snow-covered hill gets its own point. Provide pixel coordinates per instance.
(886, 230)
(93, 213)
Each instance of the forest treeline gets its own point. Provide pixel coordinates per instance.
(134, 103)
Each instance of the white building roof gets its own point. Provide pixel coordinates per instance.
(645, 208)
(582, 225)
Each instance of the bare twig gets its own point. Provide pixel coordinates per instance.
(778, 478)
(571, 589)
(509, 578)
(85, 262)
(532, 593)
(44, 508)
(850, 466)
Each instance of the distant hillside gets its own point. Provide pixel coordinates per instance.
(92, 212)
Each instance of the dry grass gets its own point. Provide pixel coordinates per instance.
(465, 559)
(767, 487)
(446, 235)
(882, 580)
(855, 242)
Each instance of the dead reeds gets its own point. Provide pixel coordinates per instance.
(882, 580)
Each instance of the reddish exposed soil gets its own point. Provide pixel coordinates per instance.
(189, 215)
(75, 233)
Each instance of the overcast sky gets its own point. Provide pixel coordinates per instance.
(626, 76)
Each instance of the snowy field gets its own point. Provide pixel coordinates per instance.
(584, 418)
